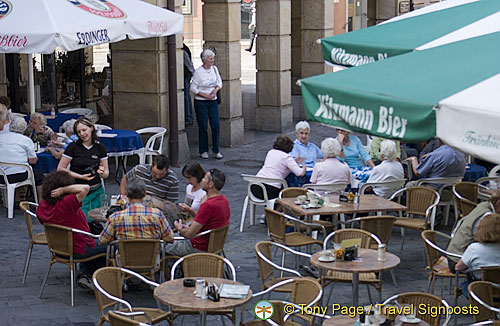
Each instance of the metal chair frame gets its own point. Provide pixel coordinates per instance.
(33, 237)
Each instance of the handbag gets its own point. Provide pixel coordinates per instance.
(219, 99)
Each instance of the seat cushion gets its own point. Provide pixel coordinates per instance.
(296, 239)
(410, 223)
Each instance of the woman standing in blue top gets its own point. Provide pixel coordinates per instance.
(353, 152)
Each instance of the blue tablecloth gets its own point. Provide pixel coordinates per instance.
(57, 122)
(126, 141)
(46, 162)
(474, 172)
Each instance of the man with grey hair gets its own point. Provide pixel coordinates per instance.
(38, 129)
(16, 148)
(389, 170)
(137, 221)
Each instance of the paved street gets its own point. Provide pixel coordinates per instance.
(20, 305)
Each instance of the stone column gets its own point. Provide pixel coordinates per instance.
(298, 107)
(274, 110)
(3, 76)
(317, 22)
(140, 85)
(222, 33)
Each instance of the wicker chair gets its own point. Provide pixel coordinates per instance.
(481, 296)
(204, 265)
(330, 187)
(437, 265)
(29, 210)
(138, 255)
(465, 195)
(443, 183)
(487, 323)
(267, 267)
(492, 274)
(391, 186)
(119, 318)
(276, 223)
(372, 279)
(430, 300)
(108, 293)
(60, 242)
(421, 202)
(305, 291)
(293, 192)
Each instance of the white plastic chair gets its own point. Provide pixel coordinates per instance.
(154, 145)
(253, 201)
(9, 189)
(392, 186)
(444, 183)
(81, 111)
(102, 127)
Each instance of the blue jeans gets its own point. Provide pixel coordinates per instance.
(90, 267)
(207, 110)
(188, 111)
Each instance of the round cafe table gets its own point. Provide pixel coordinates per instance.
(174, 294)
(367, 263)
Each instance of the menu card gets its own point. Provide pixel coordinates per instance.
(233, 291)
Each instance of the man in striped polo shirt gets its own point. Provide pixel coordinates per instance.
(161, 183)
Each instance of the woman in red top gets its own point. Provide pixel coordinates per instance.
(61, 204)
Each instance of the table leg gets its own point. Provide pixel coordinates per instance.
(355, 289)
(203, 318)
(121, 164)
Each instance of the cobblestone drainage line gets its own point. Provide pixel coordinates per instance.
(244, 163)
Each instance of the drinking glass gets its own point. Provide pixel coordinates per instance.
(104, 199)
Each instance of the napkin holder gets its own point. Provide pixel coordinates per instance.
(213, 293)
(350, 253)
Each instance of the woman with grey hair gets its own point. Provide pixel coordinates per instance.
(57, 148)
(18, 125)
(205, 85)
(38, 129)
(331, 170)
(388, 170)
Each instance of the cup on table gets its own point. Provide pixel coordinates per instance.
(302, 199)
(314, 202)
(326, 254)
(311, 195)
(409, 311)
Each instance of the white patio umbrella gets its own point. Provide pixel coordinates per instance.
(28, 26)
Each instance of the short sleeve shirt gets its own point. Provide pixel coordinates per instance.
(82, 158)
(16, 148)
(67, 212)
(214, 213)
(482, 254)
(309, 152)
(442, 162)
(164, 188)
(194, 198)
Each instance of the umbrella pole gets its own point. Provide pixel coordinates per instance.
(31, 84)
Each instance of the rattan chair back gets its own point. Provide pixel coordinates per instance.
(119, 320)
(430, 301)
(203, 265)
(266, 271)
(29, 213)
(276, 224)
(346, 234)
(60, 241)
(292, 192)
(381, 226)
(418, 199)
(304, 291)
(465, 196)
(110, 279)
(139, 255)
(492, 274)
(217, 240)
(431, 254)
(484, 291)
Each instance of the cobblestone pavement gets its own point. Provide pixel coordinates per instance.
(20, 305)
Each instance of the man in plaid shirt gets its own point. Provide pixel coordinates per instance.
(136, 221)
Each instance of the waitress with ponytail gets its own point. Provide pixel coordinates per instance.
(89, 162)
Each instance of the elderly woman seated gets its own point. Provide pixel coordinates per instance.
(38, 130)
(16, 148)
(57, 148)
(389, 170)
(331, 170)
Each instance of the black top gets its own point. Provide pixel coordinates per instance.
(86, 160)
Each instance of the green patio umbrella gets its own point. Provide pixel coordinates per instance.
(435, 25)
(451, 91)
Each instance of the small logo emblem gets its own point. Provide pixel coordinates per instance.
(103, 8)
(5, 8)
(264, 310)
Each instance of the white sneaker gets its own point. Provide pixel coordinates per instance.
(218, 156)
(204, 155)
